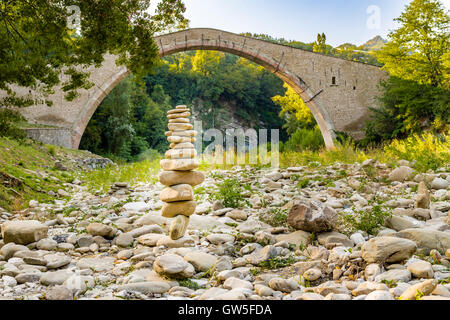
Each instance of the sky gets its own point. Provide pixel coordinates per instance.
(353, 21)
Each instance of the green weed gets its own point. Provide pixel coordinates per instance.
(229, 193)
(276, 217)
(369, 221)
(188, 283)
(277, 262)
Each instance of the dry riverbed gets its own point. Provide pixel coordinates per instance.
(293, 238)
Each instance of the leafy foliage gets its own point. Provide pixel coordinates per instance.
(221, 88)
(300, 123)
(418, 49)
(408, 107)
(229, 193)
(417, 96)
(8, 124)
(368, 220)
(305, 139)
(320, 45)
(427, 150)
(188, 283)
(37, 45)
(294, 110)
(129, 122)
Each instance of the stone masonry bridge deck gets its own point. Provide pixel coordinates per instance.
(337, 91)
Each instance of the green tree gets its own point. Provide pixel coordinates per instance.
(416, 97)
(153, 124)
(320, 45)
(205, 62)
(234, 87)
(418, 49)
(116, 114)
(304, 139)
(9, 120)
(37, 45)
(407, 107)
(294, 110)
(129, 122)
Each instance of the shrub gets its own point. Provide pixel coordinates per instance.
(277, 262)
(305, 139)
(369, 221)
(149, 154)
(188, 283)
(229, 193)
(8, 124)
(428, 150)
(52, 150)
(344, 152)
(303, 183)
(407, 107)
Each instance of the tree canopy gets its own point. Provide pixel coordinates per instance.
(419, 49)
(37, 44)
(294, 110)
(320, 45)
(416, 98)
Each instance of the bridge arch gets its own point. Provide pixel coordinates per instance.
(338, 92)
(277, 67)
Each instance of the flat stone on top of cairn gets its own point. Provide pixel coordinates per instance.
(178, 174)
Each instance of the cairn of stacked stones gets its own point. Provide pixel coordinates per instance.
(178, 174)
(119, 188)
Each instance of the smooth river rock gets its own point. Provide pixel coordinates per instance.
(185, 208)
(23, 232)
(170, 178)
(179, 164)
(181, 192)
(387, 249)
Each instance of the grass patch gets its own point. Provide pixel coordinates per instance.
(132, 173)
(276, 217)
(27, 172)
(427, 150)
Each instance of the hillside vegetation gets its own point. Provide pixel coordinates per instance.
(34, 171)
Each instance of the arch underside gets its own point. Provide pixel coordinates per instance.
(300, 87)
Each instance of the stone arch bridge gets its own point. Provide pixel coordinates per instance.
(337, 91)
